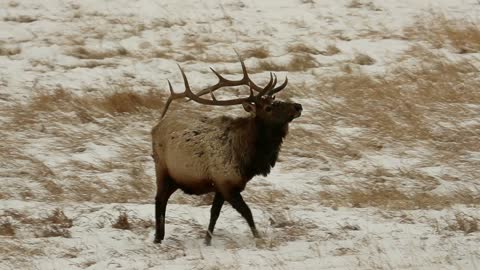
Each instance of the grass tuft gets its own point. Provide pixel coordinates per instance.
(59, 218)
(6, 228)
(9, 51)
(465, 223)
(257, 52)
(83, 52)
(298, 62)
(302, 48)
(122, 222)
(331, 50)
(53, 231)
(363, 59)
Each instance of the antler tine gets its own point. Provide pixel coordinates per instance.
(246, 79)
(267, 88)
(274, 82)
(172, 96)
(220, 77)
(212, 96)
(185, 81)
(167, 104)
(278, 89)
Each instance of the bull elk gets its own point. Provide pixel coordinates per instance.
(200, 155)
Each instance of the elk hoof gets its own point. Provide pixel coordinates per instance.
(256, 234)
(157, 240)
(208, 241)
(208, 238)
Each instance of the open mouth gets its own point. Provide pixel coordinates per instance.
(295, 115)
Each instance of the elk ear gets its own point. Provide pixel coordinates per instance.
(249, 107)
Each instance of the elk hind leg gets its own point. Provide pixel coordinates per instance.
(237, 202)
(165, 188)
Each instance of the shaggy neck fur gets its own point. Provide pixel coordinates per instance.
(257, 146)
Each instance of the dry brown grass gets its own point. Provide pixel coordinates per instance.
(267, 197)
(20, 251)
(196, 44)
(402, 105)
(13, 4)
(59, 218)
(440, 31)
(301, 62)
(9, 50)
(167, 23)
(122, 222)
(270, 65)
(300, 148)
(363, 4)
(6, 228)
(20, 19)
(428, 105)
(71, 253)
(298, 62)
(139, 179)
(346, 68)
(302, 48)
(83, 52)
(465, 223)
(123, 102)
(126, 101)
(166, 55)
(53, 231)
(125, 221)
(15, 215)
(330, 50)
(257, 52)
(363, 59)
(355, 4)
(182, 198)
(389, 197)
(217, 265)
(56, 224)
(131, 190)
(284, 229)
(58, 184)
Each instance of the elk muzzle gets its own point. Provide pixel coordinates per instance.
(297, 110)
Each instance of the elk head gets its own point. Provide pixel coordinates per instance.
(273, 112)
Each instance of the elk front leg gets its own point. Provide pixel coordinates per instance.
(237, 202)
(214, 213)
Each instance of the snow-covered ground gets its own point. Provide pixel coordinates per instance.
(346, 194)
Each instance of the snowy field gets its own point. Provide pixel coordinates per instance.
(382, 171)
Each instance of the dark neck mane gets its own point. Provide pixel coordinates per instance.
(261, 146)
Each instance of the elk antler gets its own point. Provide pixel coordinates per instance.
(222, 82)
(269, 89)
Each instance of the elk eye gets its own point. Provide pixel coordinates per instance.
(268, 108)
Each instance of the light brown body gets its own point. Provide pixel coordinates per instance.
(202, 154)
